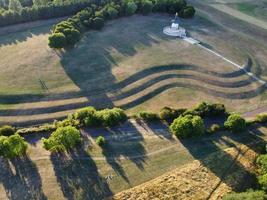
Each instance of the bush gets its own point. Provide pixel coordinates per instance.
(249, 195)
(168, 113)
(57, 41)
(83, 113)
(261, 118)
(147, 116)
(111, 12)
(146, 7)
(187, 126)
(131, 8)
(187, 12)
(66, 122)
(214, 128)
(7, 130)
(209, 110)
(12, 146)
(263, 181)
(62, 139)
(97, 23)
(100, 140)
(262, 162)
(111, 117)
(235, 123)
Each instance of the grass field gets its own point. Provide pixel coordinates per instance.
(131, 158)
(134, 68)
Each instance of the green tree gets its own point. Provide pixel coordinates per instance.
(15, 5)
(187, 126)
(187, 12)
(235, 123)
(62, 139)
(57, 40)
(131, 8)
(100, 140)
(146, 7)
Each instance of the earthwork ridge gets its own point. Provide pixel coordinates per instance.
(144, 85)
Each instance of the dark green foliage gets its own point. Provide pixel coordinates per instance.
(7, 130)
(50, 10)
(12, 146)
(57, 41)
(249, 195)
(148, 116)
(98, 23)
(100, 140)
(174, 6)
(167, 113)
(130, 8)
(261, 118)
(187, 126)
(64, 138)
(146, 7)
(72, 36)
(110, 11)
(209, 110)
(187, 12)
(235, 123)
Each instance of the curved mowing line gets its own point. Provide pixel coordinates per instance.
(155, 80)
(241, 95)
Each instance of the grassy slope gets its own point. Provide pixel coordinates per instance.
(113, 55)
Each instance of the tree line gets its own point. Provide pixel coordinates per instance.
(68, 32)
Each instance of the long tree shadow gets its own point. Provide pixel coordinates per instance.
(210, 151)
(21, 179)
(78, 176)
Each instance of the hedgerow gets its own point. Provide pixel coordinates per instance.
(147, 116)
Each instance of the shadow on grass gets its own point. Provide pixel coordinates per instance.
(78, 176)
(21, 179)
(225, 166)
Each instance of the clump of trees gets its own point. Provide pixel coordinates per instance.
(235, 123)
(64, 138)
(167, 113)
(12, 146)
(188, 126)
(205, 109)
(68, 32)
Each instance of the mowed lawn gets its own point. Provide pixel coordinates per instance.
(129, 64)
(127, 161)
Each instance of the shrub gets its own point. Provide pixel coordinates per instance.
(168, 113)
(214, 128)
(174, 6)
(72, 36)
(261, 118)
(235, 123)
(249, 195)
(147, 116)
(111, 12)
(146, 7)
(62, 139)
(210, 110)
(57, 41)
(100, 140)
(187, 126)
(97, 23)
(111, 117)
(263, 181)
(83, 113)
(187, 12)
(12, 146)
(67, 122)
(262, 162)
(7, 130)
(131, 8)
